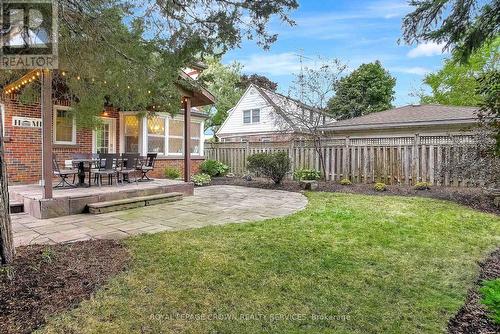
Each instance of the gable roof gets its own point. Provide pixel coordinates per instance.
(285, 106)
(409, 115)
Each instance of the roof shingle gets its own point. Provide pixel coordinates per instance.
(410, 114)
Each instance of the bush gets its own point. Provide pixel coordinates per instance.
(379, 186)
(306, 174)
(214, 168)
(422, 186)
(345, 182)
(172, 173)
(272, 165)
(491, 298)
(201, 179)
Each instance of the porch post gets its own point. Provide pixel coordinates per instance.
(187, 138)
(46, 106)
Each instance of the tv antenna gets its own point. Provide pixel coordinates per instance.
(301, 57)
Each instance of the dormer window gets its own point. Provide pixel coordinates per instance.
(251, 116)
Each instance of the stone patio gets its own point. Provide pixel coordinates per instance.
(213, 205)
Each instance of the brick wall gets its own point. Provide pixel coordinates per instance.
(161, 164)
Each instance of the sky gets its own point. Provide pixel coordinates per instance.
(355, 32)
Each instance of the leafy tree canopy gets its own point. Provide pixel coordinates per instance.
(224, 82)
(129, 53)
(259, 80)
(463, 25)
(370, 88)
(456, 84)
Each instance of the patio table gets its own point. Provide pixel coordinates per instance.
(81, 171)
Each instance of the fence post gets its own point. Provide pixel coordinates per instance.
(415, 159)
(345, 167)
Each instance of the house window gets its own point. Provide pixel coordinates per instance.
(64, 126)
(195, 138)
(156, 135)
(251, 116)
(175, 136)
(131, 133)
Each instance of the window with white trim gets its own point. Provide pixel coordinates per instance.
(175, 136)
(195, 138)
(131, 133)
(251, 116)
(156, 135)
(64, 126)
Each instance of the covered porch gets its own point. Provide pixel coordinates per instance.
(31, 147)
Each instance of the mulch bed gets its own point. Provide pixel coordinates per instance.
(475, 198)
(472, 317)
(45, 280)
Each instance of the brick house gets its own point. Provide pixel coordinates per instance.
(119, 132)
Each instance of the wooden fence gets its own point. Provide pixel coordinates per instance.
(399, 160)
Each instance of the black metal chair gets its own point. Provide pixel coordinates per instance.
(129, 165)
(147, 166)
(63, 174)
(107, 166)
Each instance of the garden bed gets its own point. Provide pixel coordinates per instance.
(475, 198)
(45, 280)
(472, 317)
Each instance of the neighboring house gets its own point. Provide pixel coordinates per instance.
(425, 120)
(264, 116)
(120, 132)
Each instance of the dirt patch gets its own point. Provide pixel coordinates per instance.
(472, 317)
(45, 280)
(475, 198)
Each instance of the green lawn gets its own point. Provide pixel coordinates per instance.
(346, 264)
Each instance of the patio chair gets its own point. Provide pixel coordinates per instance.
(129, 165)
(63, 174)
(147, 166)
(106, 167)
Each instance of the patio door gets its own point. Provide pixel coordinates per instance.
(104, 137)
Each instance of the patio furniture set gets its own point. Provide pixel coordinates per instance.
(120, 168)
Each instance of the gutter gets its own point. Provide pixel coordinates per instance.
(398, 125)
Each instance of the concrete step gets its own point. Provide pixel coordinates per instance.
(133, 202)
(16, 207)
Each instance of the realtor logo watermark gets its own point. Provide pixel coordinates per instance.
(28, 34)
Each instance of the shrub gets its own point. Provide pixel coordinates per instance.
(491, 298)
(172, 173)
(306, 174)
(272, 165)
(379, 186)
(214, 168)
(201, 179)
(345, 182)
(422, 186)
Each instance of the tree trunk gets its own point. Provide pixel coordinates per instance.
(6, 240)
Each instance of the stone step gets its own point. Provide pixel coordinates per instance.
(133, 202)
(16, 207)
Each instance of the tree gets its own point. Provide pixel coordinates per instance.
(128, 53)
(302, 112)
(259, 80)
(370, 88)
(6, 242)
(463, 26)
(222, 81)
(456, 83)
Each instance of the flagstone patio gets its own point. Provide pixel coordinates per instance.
(213, 205)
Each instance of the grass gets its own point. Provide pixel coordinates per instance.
(347, 264)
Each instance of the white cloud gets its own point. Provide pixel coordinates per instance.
(427, 50)
(274, 64)
(417, 70)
